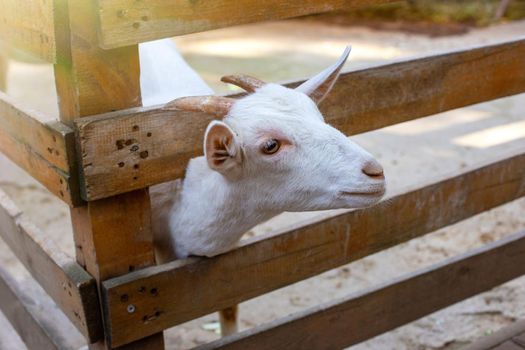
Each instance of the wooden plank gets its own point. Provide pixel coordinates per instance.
(99, 81)
(339, 324)
(44, 150)
(3, 70)
(132, 149)
(180, 291)
(90, 79)
(28, 25)
(127, 22)
(490, 341)
(24, 124)
(66, 282)
(109, 252)
(508, 345)
(113, 235)
(37, 320)
(520, 338)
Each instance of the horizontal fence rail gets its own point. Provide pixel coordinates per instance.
(499, 338)
(167, 295)
(136, 148)
(66, 282)
(44, 150)
(29, 26)
(127, 22)
(377, 310)
(38, 322)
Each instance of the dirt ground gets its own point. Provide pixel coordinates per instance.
(412, 153)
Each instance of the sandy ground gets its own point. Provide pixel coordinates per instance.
(411, 153)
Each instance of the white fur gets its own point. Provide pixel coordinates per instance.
(165, 75)
(316, 168)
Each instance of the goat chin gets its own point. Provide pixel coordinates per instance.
(272, 152)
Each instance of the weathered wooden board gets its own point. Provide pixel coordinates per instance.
(45, 151)
(361, 316)
(37, 320)
(28, 25)
(166, 295)
(44, 139)
(127, 22)
(515, 331)
(3, 71)
(132, 149)
(91, 80)
(66, 282)
(113, 235)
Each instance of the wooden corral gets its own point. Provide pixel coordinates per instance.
(106, 150)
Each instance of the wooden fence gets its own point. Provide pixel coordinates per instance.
(106, 186)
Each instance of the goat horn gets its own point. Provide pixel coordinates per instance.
(246, 82)
(216, 105)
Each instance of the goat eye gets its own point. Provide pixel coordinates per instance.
(270, 146)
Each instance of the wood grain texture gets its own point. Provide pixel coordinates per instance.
(66, 282)
(45, 150)
(91, 80)
(132, 149)
(127, 22)
(363, 315)
(112, 250)
(28, 25)
(113, 235)
(229, 319)
(182, 288)
(3, 70)
(37, 320)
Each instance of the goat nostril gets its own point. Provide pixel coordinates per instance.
(375, 176)
(373, 169)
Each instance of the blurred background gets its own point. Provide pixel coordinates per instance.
(412, 153)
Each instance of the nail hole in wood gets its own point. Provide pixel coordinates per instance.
(120, 144)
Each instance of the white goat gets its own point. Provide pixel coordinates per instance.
(271, 153)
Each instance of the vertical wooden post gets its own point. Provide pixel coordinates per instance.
(3, 69)
(112, 236)
(228, 319)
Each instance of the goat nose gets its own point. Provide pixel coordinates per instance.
(373, 169)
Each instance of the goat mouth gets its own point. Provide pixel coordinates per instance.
(363, 193)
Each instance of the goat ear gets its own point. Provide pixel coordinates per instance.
(221, 147)
(318, 86)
